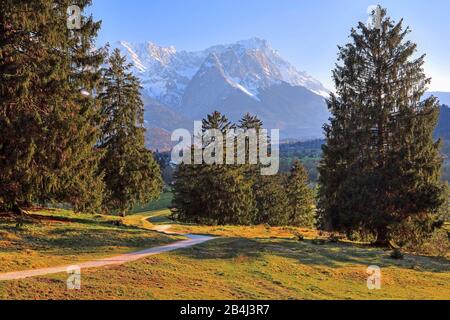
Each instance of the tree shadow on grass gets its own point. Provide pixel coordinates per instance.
(332, 255)
(62, 241)
(8, 222)
(86, 239)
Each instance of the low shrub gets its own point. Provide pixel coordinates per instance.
(334, 238)
(438, 244)
(397, 254)
(299, 237)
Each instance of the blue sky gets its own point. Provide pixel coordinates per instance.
(306, 32)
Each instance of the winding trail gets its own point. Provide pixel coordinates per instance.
(116, 260)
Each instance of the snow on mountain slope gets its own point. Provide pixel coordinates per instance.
(164, 72)
(246, 76)
(250, 65)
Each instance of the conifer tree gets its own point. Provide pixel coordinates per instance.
(232, 190)
(249, 121)
(218, 121)
(300, 198)
(269, 191)
(381, 166)
(131, 174)
(214, 193)
(271, 200)
(48, 127)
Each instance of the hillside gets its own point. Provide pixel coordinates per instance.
(249, 263)
(443, 127)
(54, 237)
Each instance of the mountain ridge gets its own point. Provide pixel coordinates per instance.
(245, 76)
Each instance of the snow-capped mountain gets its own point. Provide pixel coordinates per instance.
(249, 65)
(245, 76)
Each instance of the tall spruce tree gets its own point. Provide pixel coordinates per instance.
(246, 123)
(271, 200)
(300, 198)
(213, 193)
(269, 192)
(131, 174)
(249, 121)
(48, 128)
(381, 166)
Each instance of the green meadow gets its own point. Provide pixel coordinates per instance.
(253, 262)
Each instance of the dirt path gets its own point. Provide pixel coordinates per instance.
(116, 260)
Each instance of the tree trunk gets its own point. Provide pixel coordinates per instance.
(17, 210)
(382, 238)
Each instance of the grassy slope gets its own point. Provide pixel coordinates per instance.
(250, 263)
(163, 202)
(160, 217)
(65, 238)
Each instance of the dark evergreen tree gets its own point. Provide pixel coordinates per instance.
(271, 200)
(131, 174)
(216, 120)
(48, 114)
(300, 198)
(185, 206)
(381, 166)
(249, 121)
(269, 191)
(213, 193)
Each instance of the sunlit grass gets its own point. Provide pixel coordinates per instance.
(255, 262)
(244, 268)
(161, 217)
(58, 237)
